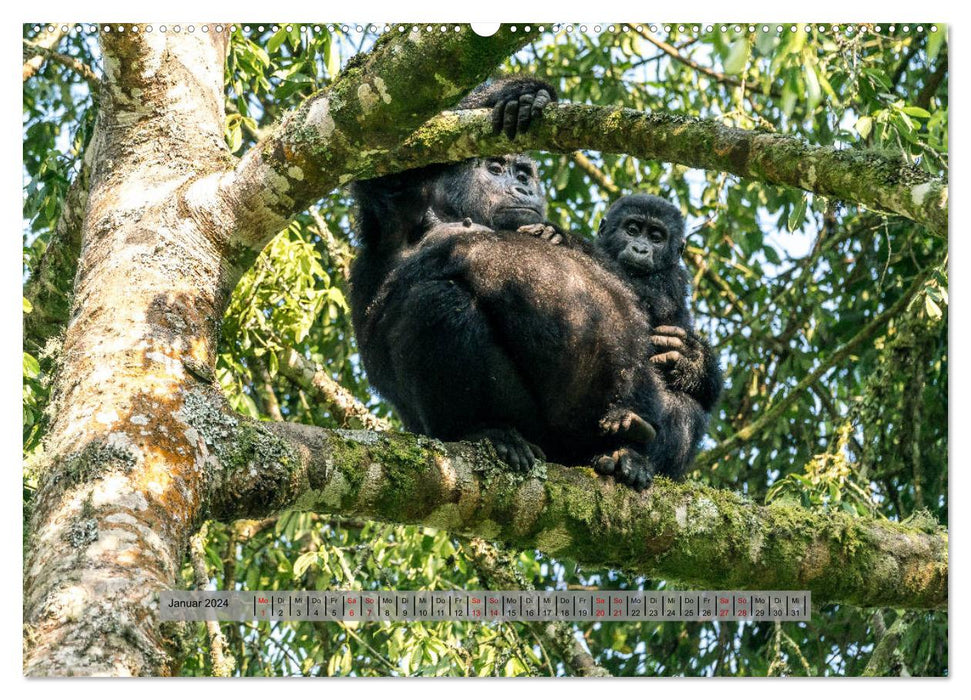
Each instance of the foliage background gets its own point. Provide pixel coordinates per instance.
(782, 280)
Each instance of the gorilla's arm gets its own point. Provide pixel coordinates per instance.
(555, 235)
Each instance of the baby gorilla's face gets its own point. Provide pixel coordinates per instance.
(643, 233)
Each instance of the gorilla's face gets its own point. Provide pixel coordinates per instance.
(643, 233)
(502, 193)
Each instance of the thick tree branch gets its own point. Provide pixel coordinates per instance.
(686, 532)
(872, 179)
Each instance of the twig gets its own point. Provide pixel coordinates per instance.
(497, 571)
(222, 662)
(595, 173)
(715, 75)
(34, 59)
(39, 53)
(886, 659)
(341, 402)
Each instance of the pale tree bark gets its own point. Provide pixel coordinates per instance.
(142, 448)
(125, 483)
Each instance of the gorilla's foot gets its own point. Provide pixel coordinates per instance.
(627, 467)
(628, 426)
(512, 448)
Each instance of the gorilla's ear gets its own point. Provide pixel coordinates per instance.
(681, 248)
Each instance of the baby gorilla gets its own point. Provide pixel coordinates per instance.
(641, 238)
(641, 241)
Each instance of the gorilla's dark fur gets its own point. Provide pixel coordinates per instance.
(474, 330)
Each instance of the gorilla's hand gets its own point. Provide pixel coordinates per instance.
(519, 107)
(548, 232)
(515, 102)
(511, 447)
(684, 358)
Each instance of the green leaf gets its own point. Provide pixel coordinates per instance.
(737, 57)
(261, 55)
(31, 366)
(333, 60)
(933, 310)
(765, 41)
(304, 562)
(917, 112)
(813, 92)
(276, 40)
(863, 126)
(28, 307)
(798, 214)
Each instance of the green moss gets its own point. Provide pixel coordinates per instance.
(257, 467)
(255, 446)
(404, 462)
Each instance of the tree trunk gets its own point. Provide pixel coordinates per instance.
(125, 473)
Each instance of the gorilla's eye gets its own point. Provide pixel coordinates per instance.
(633, 229)
(657, 233)
(495, 168)
(522, 177)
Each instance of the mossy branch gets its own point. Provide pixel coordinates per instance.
(684, 532)
(875, 180)
(373, 105)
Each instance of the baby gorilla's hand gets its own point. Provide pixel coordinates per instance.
(679, 352)
(548, 232)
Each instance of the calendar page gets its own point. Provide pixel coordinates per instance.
(603, 349)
